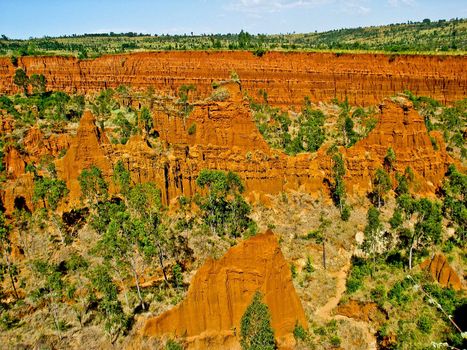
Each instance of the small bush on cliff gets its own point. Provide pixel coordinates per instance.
(192, 129)
(256, 332)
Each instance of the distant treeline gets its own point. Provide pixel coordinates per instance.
(426, 36)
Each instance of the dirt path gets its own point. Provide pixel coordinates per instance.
(325, 311)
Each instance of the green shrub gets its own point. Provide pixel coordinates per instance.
(401, 292)
(177, 276)
(425, 324)
(335, 341)
(220, 94)
(173, 345)
(345, 214)
(299, 332)
(293, 270)
(360, 269)
(308, 265)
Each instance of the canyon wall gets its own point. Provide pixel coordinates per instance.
(365, 79)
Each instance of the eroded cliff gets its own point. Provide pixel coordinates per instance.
(226, 138)
(287, 77)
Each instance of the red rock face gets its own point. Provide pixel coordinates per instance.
(226, 138)
(442, 272)
(287, 77)
(221, 291)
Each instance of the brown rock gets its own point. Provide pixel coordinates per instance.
(221, 290)
(442, 272)
(226, 138)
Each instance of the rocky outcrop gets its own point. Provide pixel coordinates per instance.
(287, 77)
(221, 290)
(442, 272)
(403, 129)
(88, 148)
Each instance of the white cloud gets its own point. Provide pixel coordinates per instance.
(356, 7)
(270, 6)
(273, 5)
(398, 3)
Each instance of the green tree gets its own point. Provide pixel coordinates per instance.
(427, 228)
(255, 327)
(402, 185)
(103, 105)
(116, 322)
(455, 203)
(119, 246)
(38, 83)
(145, 206)
(373, 233)
(94, 189)
(223, 208)
(183, 95)
(51, 191)
(381, 185)
(21, 80)
(51, 287)
(145, 118)
(121, 177)
(5, 251)
(390, 159)
(338, 191)
(311, 134)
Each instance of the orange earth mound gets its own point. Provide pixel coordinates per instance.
(221, 290)
(442, 272)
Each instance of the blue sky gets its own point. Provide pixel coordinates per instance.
(36, 18)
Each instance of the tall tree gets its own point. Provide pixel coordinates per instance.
(5, 250)
(373, 233)
(381, 185)
(21, 80)
(38, 83)
(223, 208)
